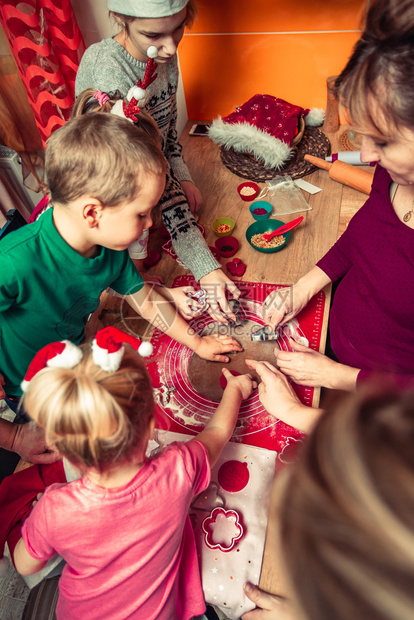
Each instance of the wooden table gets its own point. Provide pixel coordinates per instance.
(312, 239)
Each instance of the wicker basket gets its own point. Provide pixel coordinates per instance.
(311, 142)
(301, 130)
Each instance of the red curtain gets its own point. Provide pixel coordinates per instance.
(47, 45)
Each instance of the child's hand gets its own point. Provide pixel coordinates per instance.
(244, 383)
(193, 195)
(188, 307)
(212, 347)
(216, 284)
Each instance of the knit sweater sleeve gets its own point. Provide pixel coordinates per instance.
(173, 149)
(189, 244)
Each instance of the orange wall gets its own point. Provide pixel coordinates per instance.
(285, 48)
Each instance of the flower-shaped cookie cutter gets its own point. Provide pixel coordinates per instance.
(222, 529)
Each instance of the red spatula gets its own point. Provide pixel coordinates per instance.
(282, 229)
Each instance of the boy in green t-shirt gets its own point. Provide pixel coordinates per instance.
(104, 177)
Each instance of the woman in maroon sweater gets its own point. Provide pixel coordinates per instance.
(371, 320)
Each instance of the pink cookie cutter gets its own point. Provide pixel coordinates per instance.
(222, 529)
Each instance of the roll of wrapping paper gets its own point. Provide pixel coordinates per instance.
(345, 173)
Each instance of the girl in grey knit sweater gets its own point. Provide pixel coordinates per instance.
(116, 64)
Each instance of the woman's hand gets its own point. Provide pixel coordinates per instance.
(215, 284)
(279, 398)
(193, 195)
(213, 347)
(282, 305)
(269, 606)
(307, 367)
(29, 442)
(275, 391)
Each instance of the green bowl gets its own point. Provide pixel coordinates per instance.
(219, 222)
(264, 226)
(261, 204)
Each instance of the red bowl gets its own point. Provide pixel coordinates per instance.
(248, 191)
(227, 246)
(214, 252)
(164, 234)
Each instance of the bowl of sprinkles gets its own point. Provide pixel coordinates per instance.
(248, 191)
(260, 210)
(255, 232)
(227, 246)
(223, 226)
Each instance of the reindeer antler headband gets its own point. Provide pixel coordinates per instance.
(137, 95)
(107, 352)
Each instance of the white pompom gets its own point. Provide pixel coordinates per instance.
(315, 117)
(152, 51)
(137, 93)
(145, 349)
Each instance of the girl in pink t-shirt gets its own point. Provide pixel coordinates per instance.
(123, 527)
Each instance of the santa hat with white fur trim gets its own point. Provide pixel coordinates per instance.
(264, 126)
(107, 352)
(108, 349)
(63, 354)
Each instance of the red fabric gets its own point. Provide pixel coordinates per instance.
(17, 493)
(47, 45)
(275, 116)
(38, 209)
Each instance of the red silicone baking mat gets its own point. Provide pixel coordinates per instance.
(187, 411)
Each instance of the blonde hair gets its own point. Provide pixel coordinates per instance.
(94, 418)
(124, 20)
(346, 510)
(377, 85)
(101, 155)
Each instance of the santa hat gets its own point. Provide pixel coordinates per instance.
(144, 8)
(264, 126)
(107, 352)
(108, 349)
(137, 96)
(62, 354)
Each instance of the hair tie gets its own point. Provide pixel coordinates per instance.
(107, 352)
(101, 97)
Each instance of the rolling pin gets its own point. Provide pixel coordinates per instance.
(344, 173)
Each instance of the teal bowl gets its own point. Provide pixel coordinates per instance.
(262, 205)
(264, 226)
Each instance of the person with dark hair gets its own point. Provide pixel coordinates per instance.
(371, 327)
